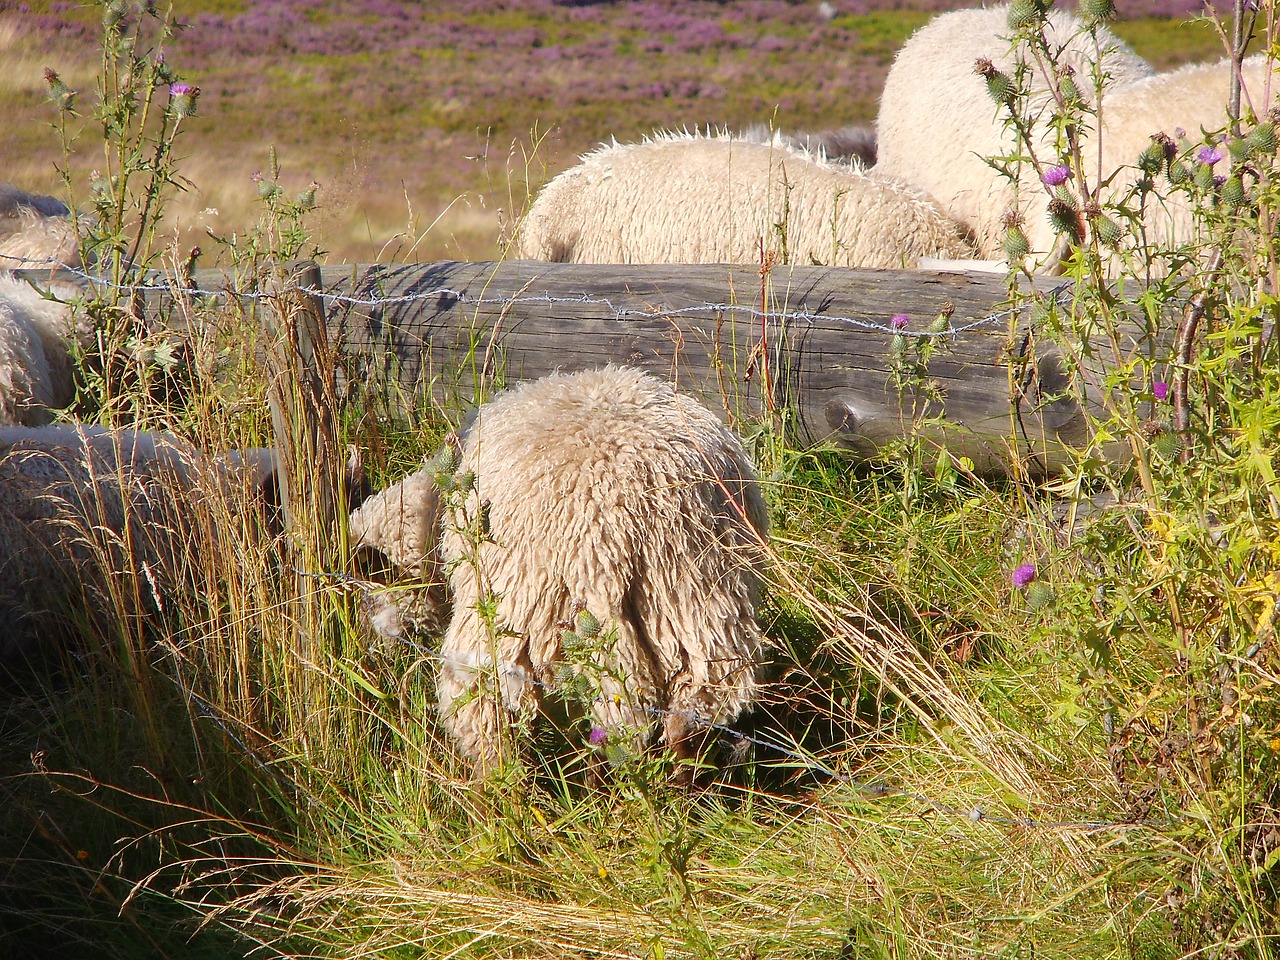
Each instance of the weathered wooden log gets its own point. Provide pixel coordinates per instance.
(812, 346)
(455, 330)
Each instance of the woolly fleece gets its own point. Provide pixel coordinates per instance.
(684, 198)
(604, 489)
(937, 122)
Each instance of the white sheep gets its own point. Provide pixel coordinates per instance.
(681, 198)
(35, 230)
(938, 124)
(605, 491)
(402, 524)
(1193, 98)
(35, 332)
(97, 524)
(35, 352)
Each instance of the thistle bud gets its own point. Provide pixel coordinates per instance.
(1067, 87)
(1153, 159)
(1233, 191)
(62, 95)
(182, 99)
(1016, 244)
(1204, 177)
(1063, 216)
(1025, 14)
(999, 85)
(114, 13)
(1167, 445)
(445, 460)
(307, 198)
(1178, 173)
(1107, 231)
(1092, 11)
(266, 188)
(942, 322)
(1262, 139)
(586, 625)
(897, 347)
(1039, 595)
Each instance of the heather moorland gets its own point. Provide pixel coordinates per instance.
(428, 125)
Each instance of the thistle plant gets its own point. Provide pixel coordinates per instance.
(1173, 359)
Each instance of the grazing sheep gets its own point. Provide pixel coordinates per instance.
(35, 357)
(854, 145)
(684, 198)
(937, 123)
(609, 492)
(99, 524)
(35, 230)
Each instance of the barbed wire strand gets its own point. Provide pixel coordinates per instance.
(1058, 295)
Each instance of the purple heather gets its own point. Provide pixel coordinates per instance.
(1023, 574)
(1057, 175)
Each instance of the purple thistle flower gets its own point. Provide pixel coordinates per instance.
(1161, 390)
(900, 321)
(1209, 155)
(597, 736)
(1023, 574)
(182, 98)
(1056, 176)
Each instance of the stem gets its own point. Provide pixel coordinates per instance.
(1184, 343)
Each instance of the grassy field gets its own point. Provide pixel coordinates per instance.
(960, 755)
(427, 129)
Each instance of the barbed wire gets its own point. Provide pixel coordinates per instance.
(1058, 295)
(783, 747)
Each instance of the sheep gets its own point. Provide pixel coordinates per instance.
(35, 331)
(605, 491)
(35, 230)
(937, 124)
(681, 198)
(36, 370)
(854, 145)
(1194, 98)
(99, 523)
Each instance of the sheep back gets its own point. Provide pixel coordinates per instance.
(1193, 97)
(606, 490)
(937, 123)
(35, 230)
(36, 372)
(713, 199)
